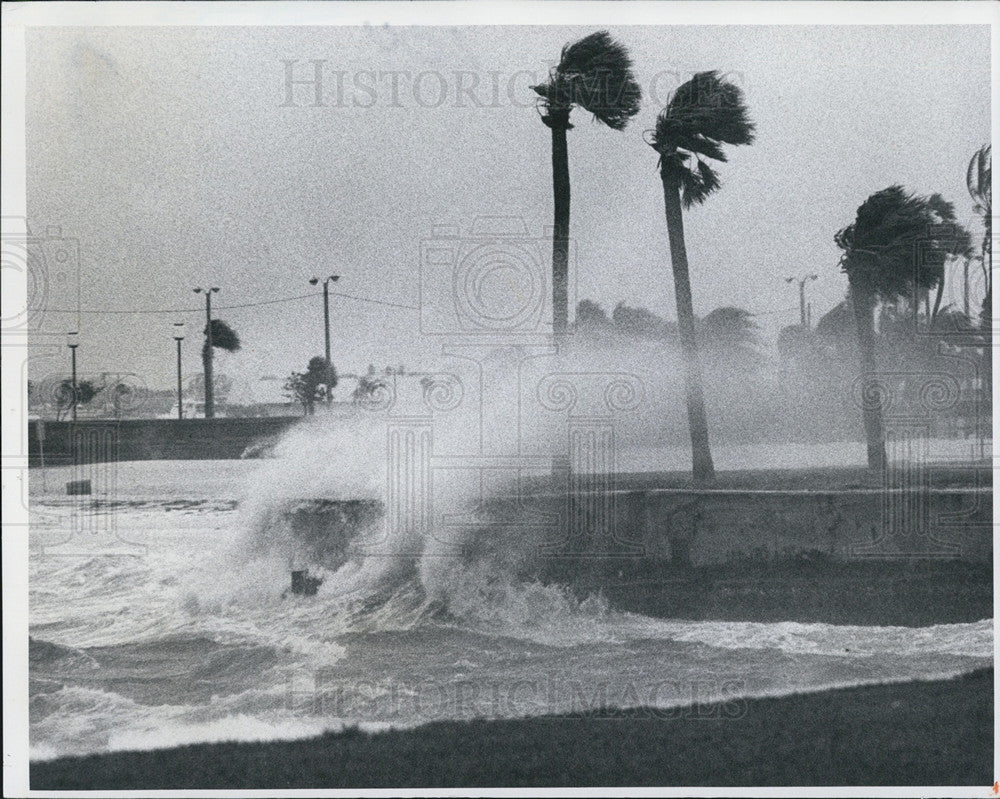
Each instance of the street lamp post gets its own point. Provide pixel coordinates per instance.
(72, 341)
(209, 391)
(803, 319)
(179, 337)
(326, 323)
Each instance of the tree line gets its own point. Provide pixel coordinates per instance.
(895, 248)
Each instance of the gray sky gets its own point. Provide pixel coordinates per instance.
(169, 154)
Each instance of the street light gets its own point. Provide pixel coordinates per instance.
(326, 323)
(802, 296)
(73, 341)
(209, 392)
(179, 337)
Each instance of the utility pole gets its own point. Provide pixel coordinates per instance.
(326, 325)
(803, 318)
(209, 391)
(179, 337)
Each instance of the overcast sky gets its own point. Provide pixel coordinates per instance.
(172, 156)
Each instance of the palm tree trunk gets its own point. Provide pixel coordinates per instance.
(701, 455)
(937, 300)
(864, 312)
(560, 232)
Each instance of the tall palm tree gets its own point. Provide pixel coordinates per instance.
(979, 179)
(703, 114)
(594, 73)
(896, 247)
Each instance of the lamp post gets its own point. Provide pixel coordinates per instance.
(179, 337)
(72, 341)
(326, 323)
(209, 392)
(803, 320)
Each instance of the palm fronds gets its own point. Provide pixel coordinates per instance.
(223, 337)
(900, 241)
(731, 332)
(594, 73)
(979, 178)
(702, 115)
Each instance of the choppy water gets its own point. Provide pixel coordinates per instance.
(171, 628)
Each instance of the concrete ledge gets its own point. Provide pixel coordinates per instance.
(704, 527)
(153, 439)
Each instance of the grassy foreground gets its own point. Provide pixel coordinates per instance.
(930, 733)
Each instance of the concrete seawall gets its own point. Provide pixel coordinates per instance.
(936, 517)
(153, 439)
(630, 531)
(703, 527)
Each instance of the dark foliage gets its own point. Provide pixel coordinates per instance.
(594, 73)
(731, 333)
(85, 392)
(223, 337)
(979, 179)
(641, 323)
(312, 385)
(898, 243)
(369, 387)
(701, 116)
(590, 314)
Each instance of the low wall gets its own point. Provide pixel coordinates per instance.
(153, 439)
(713, 527)
(616, 533)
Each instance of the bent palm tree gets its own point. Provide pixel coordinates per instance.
(896, 247)
(218, 335)
(703, 114)
(594, 73)
(979, 179)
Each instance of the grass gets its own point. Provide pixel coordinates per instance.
(931, 733)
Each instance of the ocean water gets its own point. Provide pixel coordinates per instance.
(158, 616)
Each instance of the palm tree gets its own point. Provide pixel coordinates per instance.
(896, 247)
(594, 73)
(731, 337)
(979, 179)
(219, 336)
(591, 316)
(703, 114)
